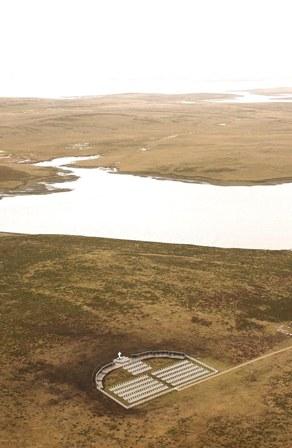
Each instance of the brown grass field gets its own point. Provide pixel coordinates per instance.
(68, 304)
(182, 141)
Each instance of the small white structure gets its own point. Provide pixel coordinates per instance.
(121, 359)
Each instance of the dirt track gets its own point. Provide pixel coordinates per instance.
(239, 366)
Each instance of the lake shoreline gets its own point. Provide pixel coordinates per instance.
(184, 137)
(41, 187)
(210, 181)
(147, 209)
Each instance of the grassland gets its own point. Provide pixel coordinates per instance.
(69, 304)
(169, 136)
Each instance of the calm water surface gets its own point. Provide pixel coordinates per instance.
(105, 204)
(250, 97)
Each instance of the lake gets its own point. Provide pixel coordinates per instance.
(102, 203)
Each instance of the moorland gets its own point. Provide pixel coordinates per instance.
(69, 304)
(170, 136)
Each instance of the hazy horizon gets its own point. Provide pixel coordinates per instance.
(207, 87)
(65, 48)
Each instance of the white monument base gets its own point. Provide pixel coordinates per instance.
(122, 360)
